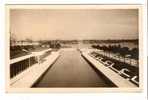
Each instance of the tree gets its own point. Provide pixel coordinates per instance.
(124, 51)
(28, 40)
(134, 53)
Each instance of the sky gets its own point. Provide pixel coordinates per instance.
(69, 24)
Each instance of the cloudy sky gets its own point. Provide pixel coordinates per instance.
(74, 24)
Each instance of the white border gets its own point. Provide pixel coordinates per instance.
(88, 96)
(120, 89)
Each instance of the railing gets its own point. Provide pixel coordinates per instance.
(130, 61)
(20, 64)
(118, 80)
(123, 69)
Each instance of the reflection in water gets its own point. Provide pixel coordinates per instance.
(71, 70)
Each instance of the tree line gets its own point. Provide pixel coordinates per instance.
(123, 51)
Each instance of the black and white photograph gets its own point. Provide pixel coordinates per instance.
(73, 46)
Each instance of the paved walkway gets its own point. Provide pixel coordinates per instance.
(28, 77)
(71, 70)
(115, 77)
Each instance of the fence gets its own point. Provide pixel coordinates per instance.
(20, 64)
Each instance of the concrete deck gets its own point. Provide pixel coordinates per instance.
(27, 78)
(114, 77)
